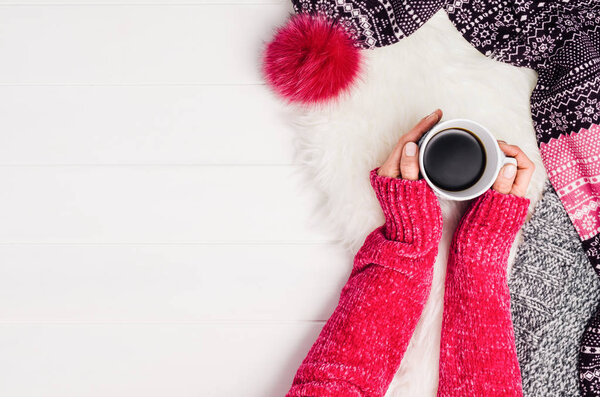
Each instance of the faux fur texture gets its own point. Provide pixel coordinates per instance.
(340, 142)
(311, 59)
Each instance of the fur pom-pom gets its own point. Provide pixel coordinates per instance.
(311, 59)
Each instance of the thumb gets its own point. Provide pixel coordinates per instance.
(506, 178)
(409, 162)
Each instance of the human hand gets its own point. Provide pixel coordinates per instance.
(514, 179)
(403, 162)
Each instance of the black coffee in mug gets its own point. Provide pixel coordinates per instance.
(454, 159)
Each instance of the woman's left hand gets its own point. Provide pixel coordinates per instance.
(403, 162)
(514, 179)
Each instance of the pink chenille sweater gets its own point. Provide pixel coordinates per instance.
(362, 344)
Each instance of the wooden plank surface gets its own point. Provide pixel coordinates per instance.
(150, 283)
(152, 360)
(143, 125)
(160, 204)
(157, 238)
(143, 44)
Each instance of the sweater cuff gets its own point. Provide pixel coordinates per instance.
(490, 225)
(411, 209)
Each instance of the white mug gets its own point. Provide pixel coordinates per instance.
(495, 158)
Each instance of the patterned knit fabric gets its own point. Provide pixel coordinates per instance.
(554, 292)
(362, 344)
(374, 23)
(560, 39)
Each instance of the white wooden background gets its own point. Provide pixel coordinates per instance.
(155, 236)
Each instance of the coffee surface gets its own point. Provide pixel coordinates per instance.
(454, 159)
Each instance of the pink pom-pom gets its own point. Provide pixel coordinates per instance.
(311, 59)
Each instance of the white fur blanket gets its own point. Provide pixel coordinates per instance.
(340, 142)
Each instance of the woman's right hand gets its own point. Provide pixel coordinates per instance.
(403, 162)
(514, 179)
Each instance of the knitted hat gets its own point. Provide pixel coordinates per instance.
(316, 55)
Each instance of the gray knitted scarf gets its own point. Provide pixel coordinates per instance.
(553, 292)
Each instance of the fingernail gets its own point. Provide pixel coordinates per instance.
(432, 115)
(509, 171)
(410, 149)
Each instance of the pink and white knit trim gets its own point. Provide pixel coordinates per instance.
(573, 164)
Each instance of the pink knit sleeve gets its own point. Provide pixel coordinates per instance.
(364, 340)
(478, 356)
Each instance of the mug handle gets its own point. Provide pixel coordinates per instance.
(509, 160)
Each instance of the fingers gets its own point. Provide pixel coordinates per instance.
(391, 166)
(524, 170)
(409, 163)
(424, 125)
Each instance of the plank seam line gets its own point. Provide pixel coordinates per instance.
(130, 4)
(258, 84)
(128, 322)
(34, 165)
(177, 244)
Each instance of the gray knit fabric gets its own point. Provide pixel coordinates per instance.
(554, 291)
